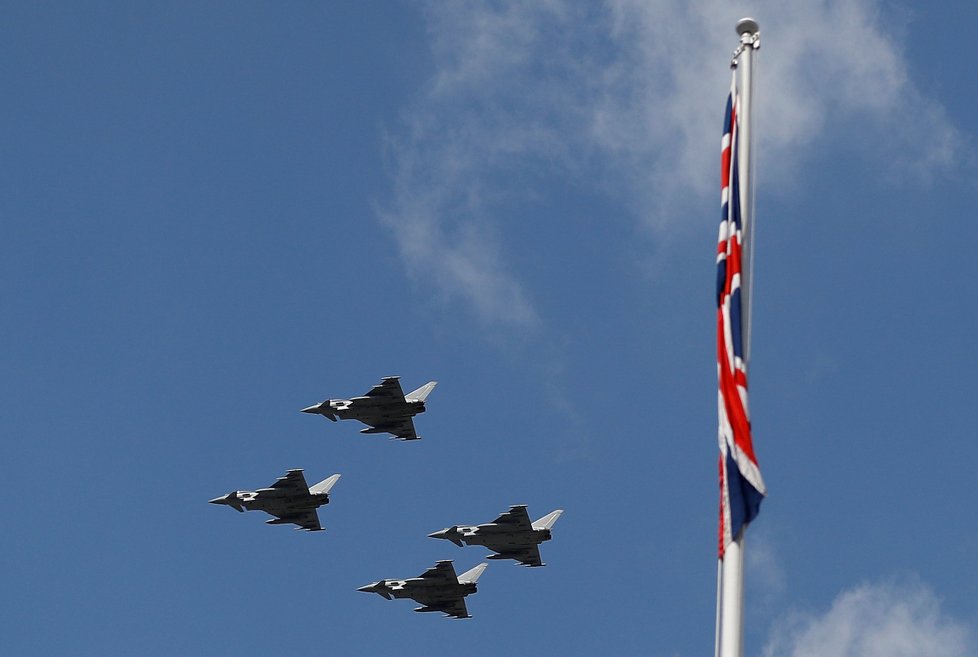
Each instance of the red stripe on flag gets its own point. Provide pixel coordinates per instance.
(732, 404)
(723, 522)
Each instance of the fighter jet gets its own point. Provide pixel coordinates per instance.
(512, 535)
(384, 409)
(437, 589)
(289, 499)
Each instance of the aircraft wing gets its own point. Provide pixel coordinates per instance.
(388, 388)
(528, 556)
(402, 428)
(441, 571)
(455, 607)
(516, 519)
(293, 483)
(308, 519)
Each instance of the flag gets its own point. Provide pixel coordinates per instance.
(741, 485)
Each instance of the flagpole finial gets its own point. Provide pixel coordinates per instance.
(750, 37)
(747, 26)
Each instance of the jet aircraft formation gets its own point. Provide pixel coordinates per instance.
(386, 409)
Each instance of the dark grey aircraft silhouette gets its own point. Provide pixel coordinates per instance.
(384, 409)
(512, 535)
(437, 589)
(289, 499)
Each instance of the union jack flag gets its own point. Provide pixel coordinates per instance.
(741, 485)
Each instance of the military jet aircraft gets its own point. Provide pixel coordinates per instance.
(289, 499)
(512, 535)
(384, 409)
(437, 589)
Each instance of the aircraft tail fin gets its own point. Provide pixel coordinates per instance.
(325, 485)
(421, 393)
(472, 576)
(547, 521)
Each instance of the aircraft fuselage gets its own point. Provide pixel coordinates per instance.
(272, 501)
(495, 536)
(374, 409)
(427, 592)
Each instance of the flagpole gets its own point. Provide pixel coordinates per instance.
(730, 577)
(750, 41)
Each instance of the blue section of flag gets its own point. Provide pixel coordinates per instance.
(745, 500)
(736, 327)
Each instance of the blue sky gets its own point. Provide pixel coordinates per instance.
(215, 214)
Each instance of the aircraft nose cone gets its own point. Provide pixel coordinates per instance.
(378, 588)
(223, 499)
(311, 409)
(449, 534)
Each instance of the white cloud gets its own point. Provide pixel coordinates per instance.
(764, 572)
(875, 620)
(624, 98)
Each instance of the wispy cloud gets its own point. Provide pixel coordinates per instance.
(875, 620)
(622, 97)
(765, 572)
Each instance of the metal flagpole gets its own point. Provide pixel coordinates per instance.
(730, 584)
(750, 40)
